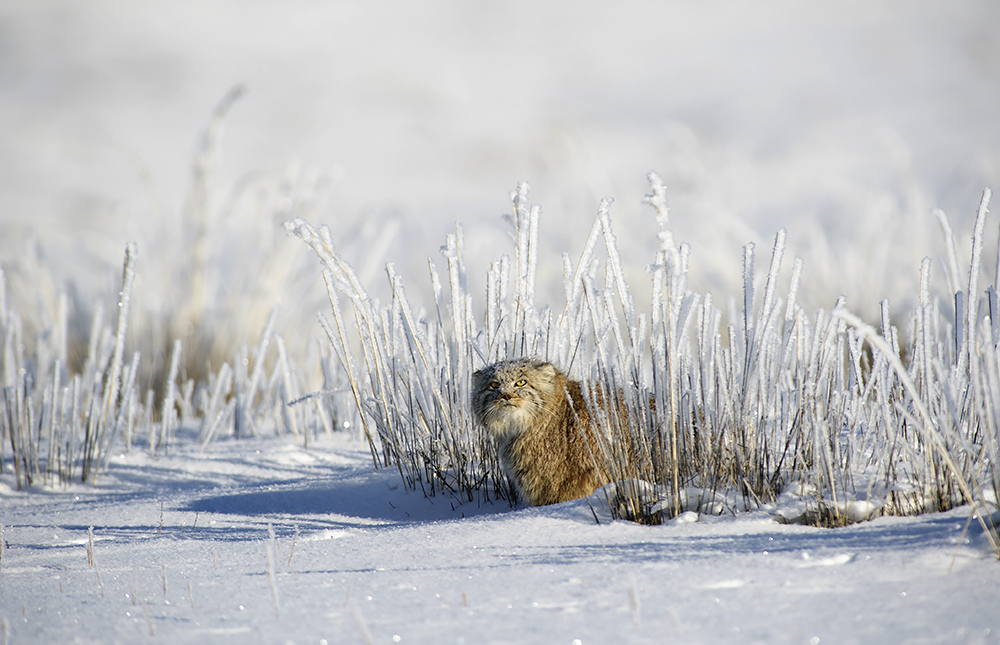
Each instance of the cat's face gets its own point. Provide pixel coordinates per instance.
(507, 397)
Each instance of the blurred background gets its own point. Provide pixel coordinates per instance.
(845, 123)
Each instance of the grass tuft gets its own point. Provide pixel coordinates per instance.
(777, 407)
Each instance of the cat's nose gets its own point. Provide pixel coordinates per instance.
(505, 396)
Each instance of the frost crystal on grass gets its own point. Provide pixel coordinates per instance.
(777, 399)
(747, 405)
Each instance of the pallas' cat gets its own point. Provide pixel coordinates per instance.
(543, 428)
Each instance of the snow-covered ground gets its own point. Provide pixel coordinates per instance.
(181, 550)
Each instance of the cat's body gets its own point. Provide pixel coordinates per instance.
(543, 428)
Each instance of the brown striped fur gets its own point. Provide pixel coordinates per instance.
(546, 443)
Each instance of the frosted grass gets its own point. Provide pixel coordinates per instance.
(805, 413)
(57, 427)
(814, 415)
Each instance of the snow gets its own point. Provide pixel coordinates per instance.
(180, 543)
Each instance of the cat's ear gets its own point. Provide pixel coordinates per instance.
(547, 371)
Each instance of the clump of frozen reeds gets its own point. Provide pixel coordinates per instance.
(56, 426)
(410, 370)
(946, 400)
(166, 364)
(782, 402)
(712, 416)
(218, 269)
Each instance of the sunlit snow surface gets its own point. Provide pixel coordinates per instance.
(356, 553)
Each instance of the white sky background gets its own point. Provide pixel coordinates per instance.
(844, 122)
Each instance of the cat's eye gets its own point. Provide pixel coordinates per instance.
(521, 383)
(494, 385)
